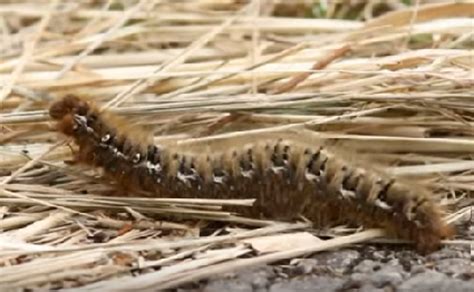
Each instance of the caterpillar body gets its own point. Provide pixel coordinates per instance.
(286, 178)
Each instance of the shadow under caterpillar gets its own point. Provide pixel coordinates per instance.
(287, 179)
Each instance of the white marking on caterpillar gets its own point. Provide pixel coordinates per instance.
(347, 194)
(218, 179)
(381, 204)
(247, 173)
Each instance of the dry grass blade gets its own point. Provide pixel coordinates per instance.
(321, 64)
(40, 226)
(425, 13)
(94, 45)
(28, 51)
(141, 85)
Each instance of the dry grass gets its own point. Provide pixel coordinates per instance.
(395, 82)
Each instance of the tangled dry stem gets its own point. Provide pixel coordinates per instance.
(402, 96)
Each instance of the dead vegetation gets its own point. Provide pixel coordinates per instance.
(389, 79)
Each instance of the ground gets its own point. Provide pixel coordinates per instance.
(359, 268)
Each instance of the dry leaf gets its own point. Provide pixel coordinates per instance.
(282, 242)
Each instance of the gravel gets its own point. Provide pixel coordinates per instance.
(365, 268)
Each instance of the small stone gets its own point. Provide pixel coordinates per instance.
(260, 281)
(356, 281)
(386, 278)
(385, 274)
(338, 260)
(305, 266)
(370, 288)
(242, 281)
(435, 281)
(408, 259)
(379, 255)
(186, 290)
(470, 231)
(308, 284)
(445, 253)
(257, 277)
(366, 266)
(228, 285)
(454, 267)
(416, 269)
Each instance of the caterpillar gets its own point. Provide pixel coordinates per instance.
(288, 179)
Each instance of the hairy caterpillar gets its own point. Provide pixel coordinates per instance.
(286, 178)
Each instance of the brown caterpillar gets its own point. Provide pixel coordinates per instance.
(286, 178)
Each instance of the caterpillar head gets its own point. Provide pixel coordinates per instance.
(69, 104)
(70, 112)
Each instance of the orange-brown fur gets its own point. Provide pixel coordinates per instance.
(287, 179)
